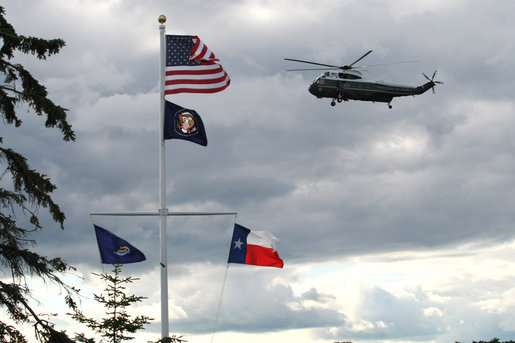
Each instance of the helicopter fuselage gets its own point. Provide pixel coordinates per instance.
(344, 86)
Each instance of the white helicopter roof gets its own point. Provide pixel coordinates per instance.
(347, 74)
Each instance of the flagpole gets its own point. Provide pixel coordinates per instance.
(163, 211)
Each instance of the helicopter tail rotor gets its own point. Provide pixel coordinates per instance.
(432, 80)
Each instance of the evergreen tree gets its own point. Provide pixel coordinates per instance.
(26, 190)
(118, 324)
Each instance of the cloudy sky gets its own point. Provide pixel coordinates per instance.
(395, 225)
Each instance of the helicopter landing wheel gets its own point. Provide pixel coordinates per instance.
(390, 106)
(333, 103)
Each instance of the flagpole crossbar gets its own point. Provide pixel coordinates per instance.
(160, 213)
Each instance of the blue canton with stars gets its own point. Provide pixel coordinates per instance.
(178, 51)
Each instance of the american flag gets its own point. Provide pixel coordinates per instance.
(191, 67)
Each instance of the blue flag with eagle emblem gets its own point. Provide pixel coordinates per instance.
(182, 123)
(115, 250)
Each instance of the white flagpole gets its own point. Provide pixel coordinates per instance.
(163, 211)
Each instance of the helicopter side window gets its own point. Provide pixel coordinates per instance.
(347, 76)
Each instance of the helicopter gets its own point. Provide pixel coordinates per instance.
(347, 83)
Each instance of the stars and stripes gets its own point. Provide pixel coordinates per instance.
(191, 67)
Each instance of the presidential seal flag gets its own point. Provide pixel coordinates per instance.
(116, 250)
(183, 123)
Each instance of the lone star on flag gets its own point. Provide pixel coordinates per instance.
(237, 244)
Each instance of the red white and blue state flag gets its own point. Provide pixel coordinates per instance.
(253, 247)
(191, 67)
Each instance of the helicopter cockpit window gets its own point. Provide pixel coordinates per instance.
(320, 80)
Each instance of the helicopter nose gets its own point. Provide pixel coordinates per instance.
(312, 88)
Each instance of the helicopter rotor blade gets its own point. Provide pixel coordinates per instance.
(345, 67)
(309, 62)
(383, 64)
(356, 61)
(306, 69)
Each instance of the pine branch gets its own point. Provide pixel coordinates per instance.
(35, 95)
(37, 186)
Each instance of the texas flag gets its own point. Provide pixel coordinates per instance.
(253, 247)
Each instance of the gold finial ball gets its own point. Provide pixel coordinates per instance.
(161, 19)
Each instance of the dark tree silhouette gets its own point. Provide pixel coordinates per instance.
(23, 191)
